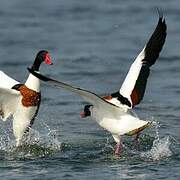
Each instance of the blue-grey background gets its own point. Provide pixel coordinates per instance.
(92, 44)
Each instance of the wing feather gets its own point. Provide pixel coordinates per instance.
(88, 96)
(134, 85)
(9, 99)
(6, 81)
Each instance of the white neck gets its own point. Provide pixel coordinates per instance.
(33, 83)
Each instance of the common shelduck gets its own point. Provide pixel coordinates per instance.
(22, 101)
(114, 112)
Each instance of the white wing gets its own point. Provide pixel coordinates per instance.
(9, 99)
(88, 96)
(6, 81)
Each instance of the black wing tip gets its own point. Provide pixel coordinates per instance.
(40, 76)
(162, 21)
(156, 41)
(160, 13)
(161, 16)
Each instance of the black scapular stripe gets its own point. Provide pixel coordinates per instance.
(121, 98)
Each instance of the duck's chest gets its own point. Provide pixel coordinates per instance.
(30, 97)
(108, 120)
(103, 117)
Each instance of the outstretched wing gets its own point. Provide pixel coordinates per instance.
(134, 85)
(6, 81)
(9, 99)
(88, 96)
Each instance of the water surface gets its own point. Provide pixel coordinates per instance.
(92, 44)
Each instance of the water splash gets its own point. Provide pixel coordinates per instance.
(160, 148)
(37, 145)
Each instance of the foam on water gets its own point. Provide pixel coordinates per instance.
(160, 148)
(36, 145)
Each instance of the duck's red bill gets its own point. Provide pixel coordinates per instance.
(82, 114)
(48, 59)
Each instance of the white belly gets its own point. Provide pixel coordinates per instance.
(118, 124)
(21, 120)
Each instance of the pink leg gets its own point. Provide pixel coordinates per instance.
(118, 149)
(136, 141)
